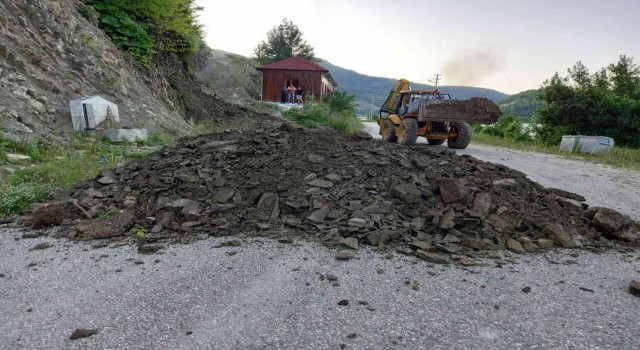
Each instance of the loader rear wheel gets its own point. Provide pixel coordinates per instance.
(389, 131)
(408, 131)
(464, 136)
(436, 141)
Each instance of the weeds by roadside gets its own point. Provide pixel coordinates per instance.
(337, 111)
(54, 167)
(510, 132)
(617, 156)
(315, 115)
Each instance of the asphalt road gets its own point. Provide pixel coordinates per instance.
(270, 296)
(600, 184)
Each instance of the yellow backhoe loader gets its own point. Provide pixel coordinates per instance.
(407, 114)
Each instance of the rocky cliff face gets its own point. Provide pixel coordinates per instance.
(50, 55)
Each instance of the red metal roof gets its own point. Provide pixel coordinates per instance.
(293, 63)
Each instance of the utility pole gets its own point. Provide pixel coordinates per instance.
(435, 80)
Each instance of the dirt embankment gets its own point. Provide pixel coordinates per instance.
(342, 190)
(50, 55)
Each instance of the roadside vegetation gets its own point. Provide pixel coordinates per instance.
(336, 110)
(55, 167)
(511, 132)
(628, 158)
(606, 103)
(524, 105)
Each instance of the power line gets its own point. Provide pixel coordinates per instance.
(436, 79)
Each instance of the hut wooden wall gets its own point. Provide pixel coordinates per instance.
(274, 79)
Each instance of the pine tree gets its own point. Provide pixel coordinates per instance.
(283, 41)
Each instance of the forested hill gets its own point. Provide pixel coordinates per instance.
(523, 104)
(371, 91)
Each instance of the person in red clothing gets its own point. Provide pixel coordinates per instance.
(291, 91)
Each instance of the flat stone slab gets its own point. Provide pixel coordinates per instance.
(106, 227)
(15, 157)
(129, 135)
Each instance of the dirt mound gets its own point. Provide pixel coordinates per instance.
(474, 109)
(341, 190)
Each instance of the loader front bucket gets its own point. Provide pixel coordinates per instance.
(479, 110)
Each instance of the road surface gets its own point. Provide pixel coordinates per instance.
(268, 295)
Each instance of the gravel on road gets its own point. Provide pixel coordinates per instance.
(269, 295)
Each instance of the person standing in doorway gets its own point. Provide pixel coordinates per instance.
(299, 93)
(291, 91)
(283, 93)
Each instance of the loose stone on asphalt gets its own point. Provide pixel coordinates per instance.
(263, 303)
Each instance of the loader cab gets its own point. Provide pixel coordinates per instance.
(417, 98)
(408, 101)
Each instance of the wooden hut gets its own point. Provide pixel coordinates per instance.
(315, 80)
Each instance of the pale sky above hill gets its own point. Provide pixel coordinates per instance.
(507, 45)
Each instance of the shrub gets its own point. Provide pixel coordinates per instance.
(149, 28)
(313, 115)
(125, 33)
(508, 127)
(549, 135)
(345, 123)
(337, 111)
(340, 102)
(18, 197)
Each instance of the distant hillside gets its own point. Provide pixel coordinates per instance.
(371, 92)
(523, 104)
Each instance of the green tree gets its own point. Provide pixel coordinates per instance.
(625, 77)
(283, 41)
(605, 103)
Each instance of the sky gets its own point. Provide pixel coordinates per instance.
(506, 45)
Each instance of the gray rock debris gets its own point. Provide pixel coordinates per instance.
(328, 187)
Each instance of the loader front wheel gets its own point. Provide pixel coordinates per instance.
(389, 131)
(408, 131)
(464, 136)
(436, 141)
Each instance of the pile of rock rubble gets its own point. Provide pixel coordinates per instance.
(343, 190)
